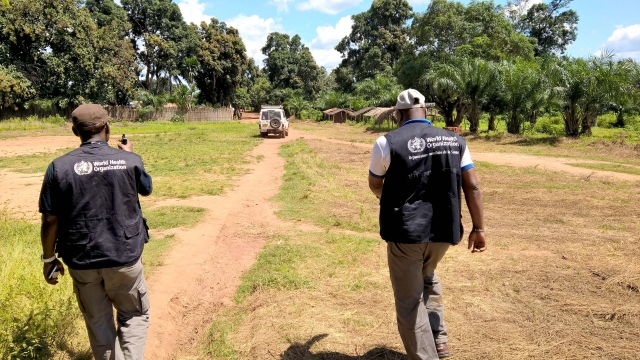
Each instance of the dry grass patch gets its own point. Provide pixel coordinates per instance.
(324, 184)
(559, 281)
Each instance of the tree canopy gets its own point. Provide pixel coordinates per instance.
(377, 40)
(290, 65)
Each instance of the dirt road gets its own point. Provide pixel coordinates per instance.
(200, 275)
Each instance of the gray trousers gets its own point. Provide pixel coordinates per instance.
(98, 292)
(418, 297)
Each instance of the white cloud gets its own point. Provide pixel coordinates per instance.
(519, 7)
(625, 42)
(330, 7)
(322, 47)
(419, 2)
(282, 5)
(193, 12)
(253, 31)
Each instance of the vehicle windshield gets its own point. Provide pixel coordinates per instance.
(271, 114)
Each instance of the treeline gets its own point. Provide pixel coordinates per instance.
(505, 62)
(508, 63)
(66, 52)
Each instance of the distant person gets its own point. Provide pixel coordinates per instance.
(91, 218)
(416, 171)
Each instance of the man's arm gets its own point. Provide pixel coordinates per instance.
(375, 184)
(473, 197)
(143, 180)
(48, 237)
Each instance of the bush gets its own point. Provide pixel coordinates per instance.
(36, 319)
(553, 126)
(178, 118)
(311, 114)
(607, 120)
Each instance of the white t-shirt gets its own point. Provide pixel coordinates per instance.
(381, 158)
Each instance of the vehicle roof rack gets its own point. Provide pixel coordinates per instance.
(271, 107)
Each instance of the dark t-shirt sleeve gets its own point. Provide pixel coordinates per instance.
(49, 192)
(143, 179)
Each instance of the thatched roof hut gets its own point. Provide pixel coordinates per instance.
(338, 115)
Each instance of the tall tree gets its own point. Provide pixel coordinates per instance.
(477, 30)
(377, 40)
(223, 61)
(290, 65)
(553, 27)
(161, 37)
(51, 42)
(116, 77)
(15, 89)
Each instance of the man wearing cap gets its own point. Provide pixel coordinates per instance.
(417, 171)
(91, 218)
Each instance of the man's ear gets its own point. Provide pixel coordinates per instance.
(107, 131)
(75, 131)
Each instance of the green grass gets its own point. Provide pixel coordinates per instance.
(608, 167)
(32, 123)
(218, 345)
(155, 250)
(31, 164)
(169, 217)
(274, 268)
(184, 159)
(296, 263)
(322, 190)
(36, 319)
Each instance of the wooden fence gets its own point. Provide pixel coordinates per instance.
(8, 113)
(122, 113)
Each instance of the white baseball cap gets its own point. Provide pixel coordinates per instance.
(410, 98)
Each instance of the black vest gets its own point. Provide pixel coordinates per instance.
(420, 199)
(100, 220)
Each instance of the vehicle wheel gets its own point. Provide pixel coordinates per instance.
(286, 133)
(275, 123)
(263, 134)
(282, 135)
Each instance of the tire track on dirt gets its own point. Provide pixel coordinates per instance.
(199, 276)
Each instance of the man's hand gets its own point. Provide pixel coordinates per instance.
(128, 147)
(477, 242)
(48, 266)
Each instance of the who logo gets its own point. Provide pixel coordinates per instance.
(83, 168)
(417, 145)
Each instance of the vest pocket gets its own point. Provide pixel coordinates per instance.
(412, 221)
(131, 230)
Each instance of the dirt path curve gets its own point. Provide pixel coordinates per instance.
(35, 145)
(201, 273)
(522, 160)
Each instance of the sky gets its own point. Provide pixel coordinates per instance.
(610, 24)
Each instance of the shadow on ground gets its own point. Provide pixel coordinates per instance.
(302, 352)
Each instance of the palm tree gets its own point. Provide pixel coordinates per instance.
(521, 82)
(475, 78)
(295, 104)
(583, 87)
(462, 85)
(627, 92)
(446, 95)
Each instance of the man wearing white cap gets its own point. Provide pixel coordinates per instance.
(417, 171)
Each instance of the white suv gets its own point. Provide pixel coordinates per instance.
(273, 121)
